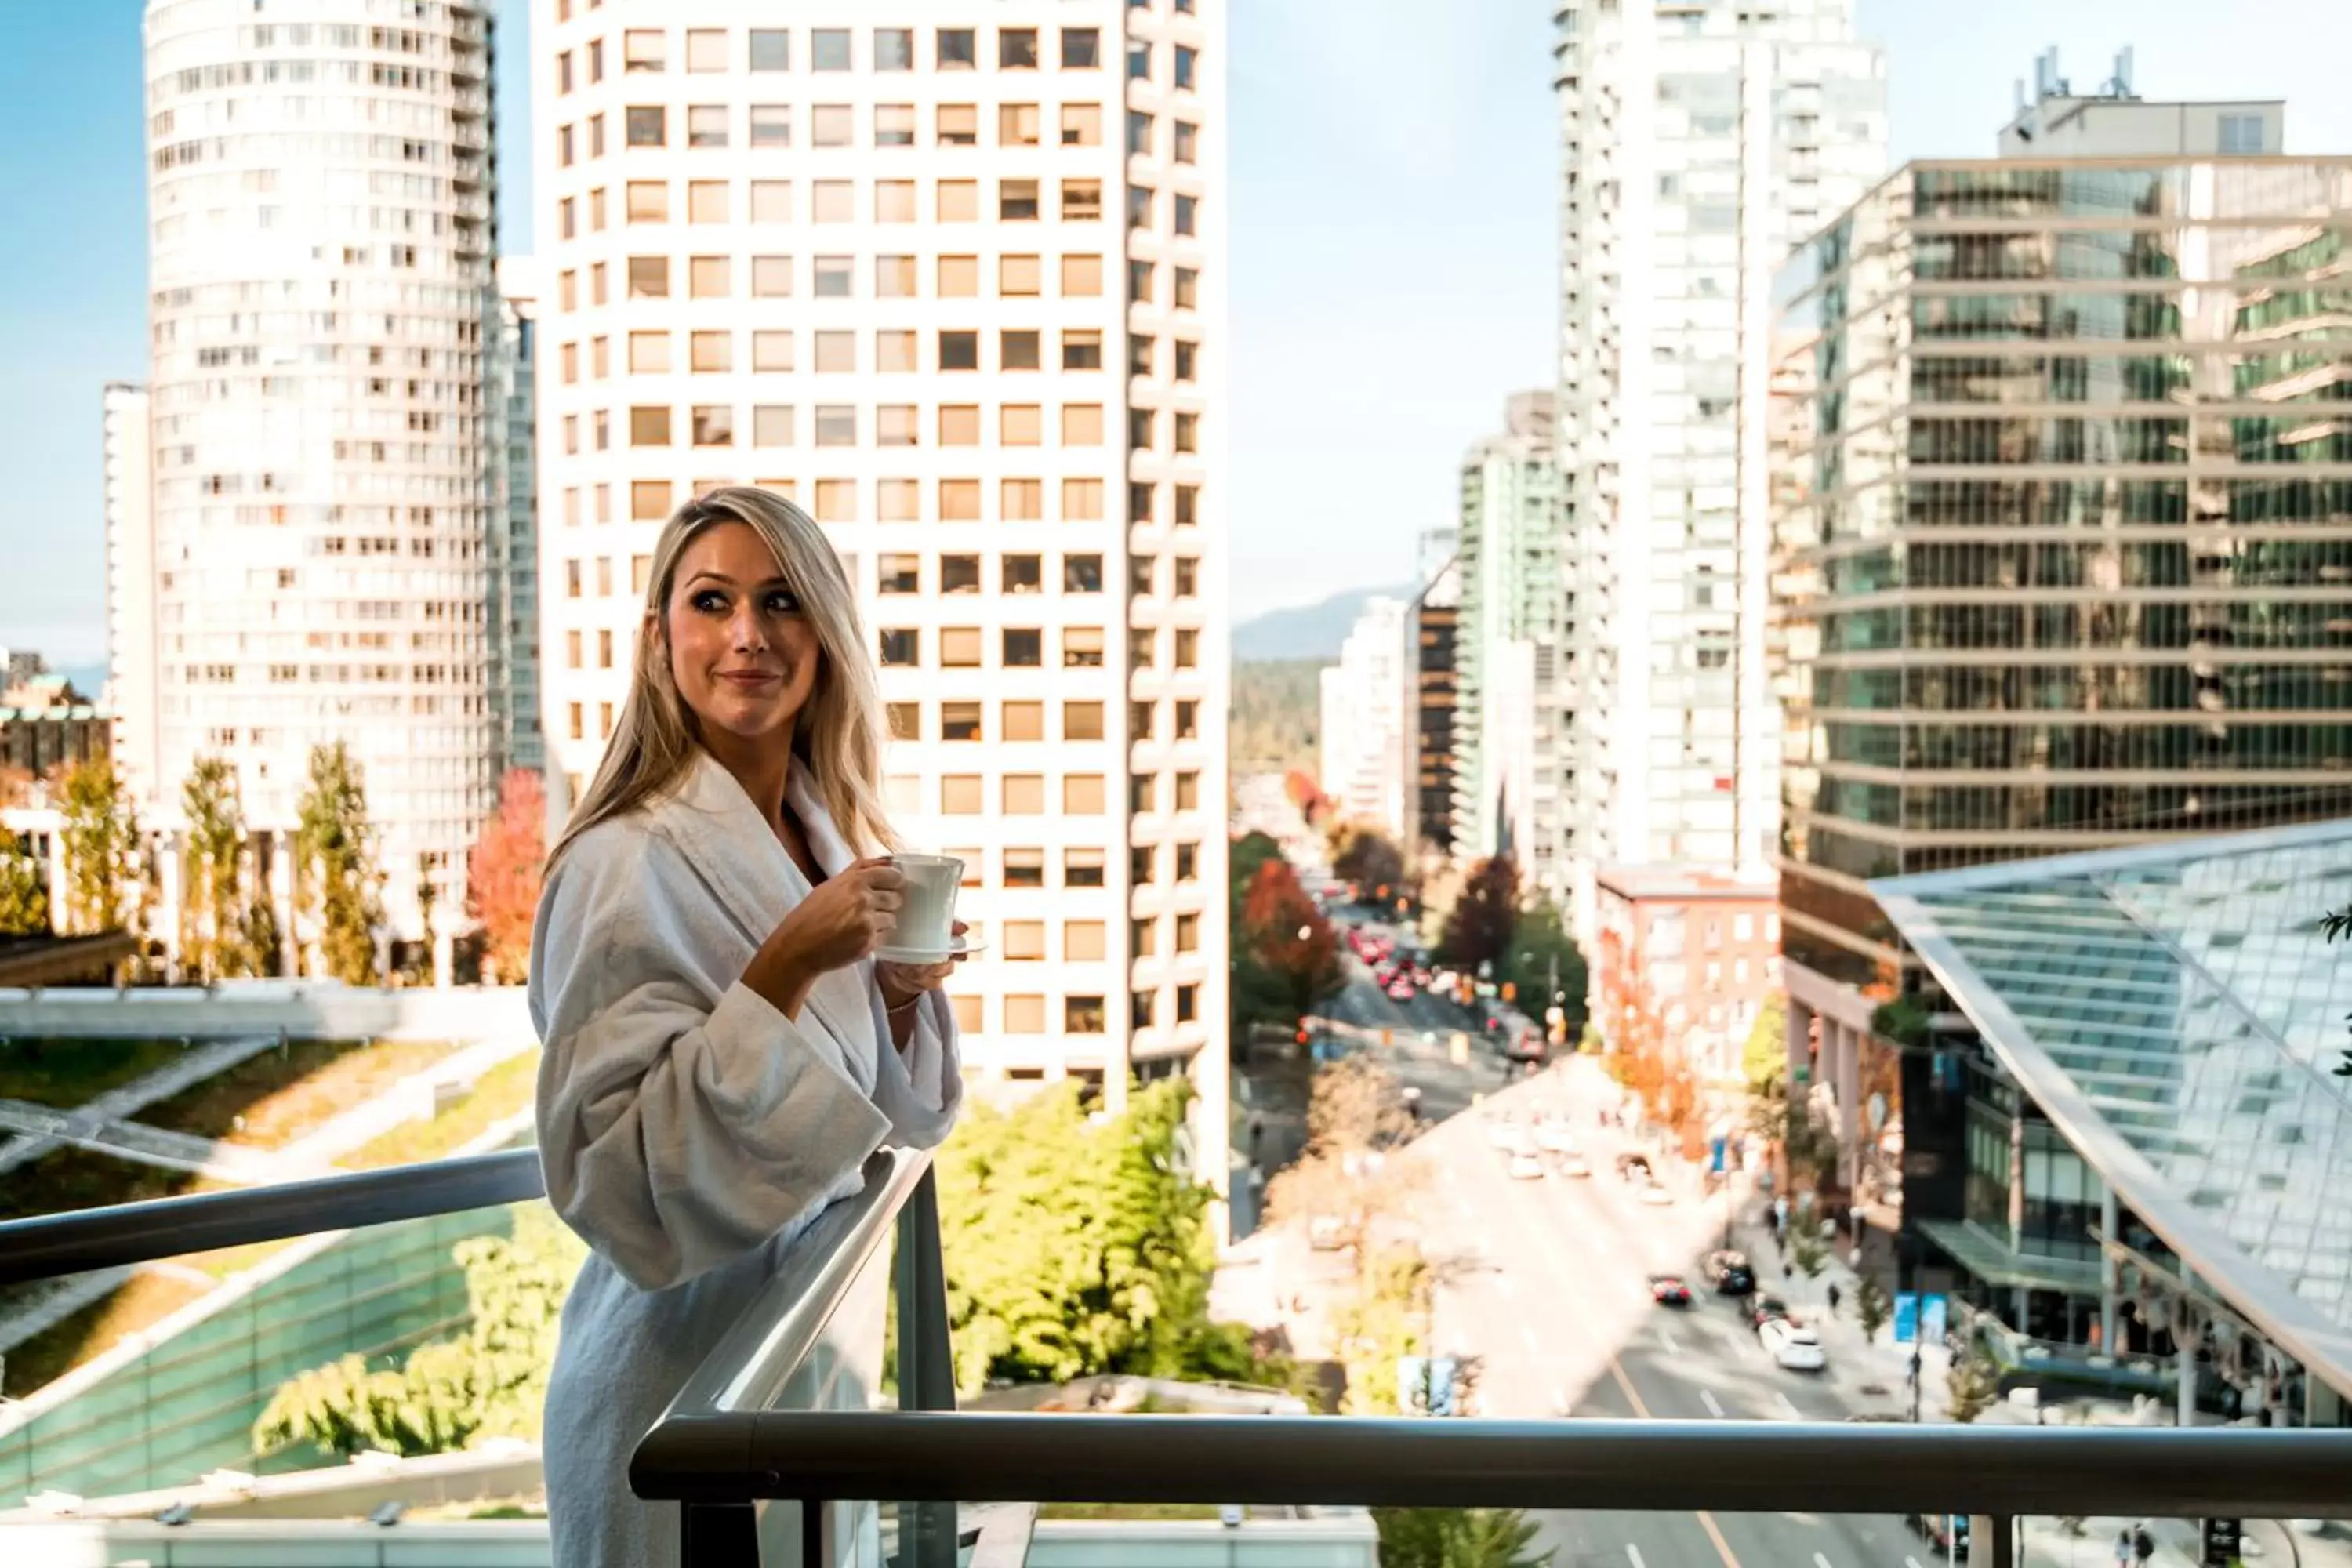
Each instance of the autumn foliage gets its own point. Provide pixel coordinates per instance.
(502, 875)
(1287, 937)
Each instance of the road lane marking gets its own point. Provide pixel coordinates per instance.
(1634, 1554)
(1527, 1335)
(1821, 1560)
(1705, 1520)
(1910, 1562)
(1666, 1337)
(1780, 1397)
(1714, 1406)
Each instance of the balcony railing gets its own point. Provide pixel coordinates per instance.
(783, 1411)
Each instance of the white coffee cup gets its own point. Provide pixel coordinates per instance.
(926, 903)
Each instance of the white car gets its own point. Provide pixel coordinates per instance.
(1554, 1138)
(1503, 1134)
(1525, 1168)
(1654, 1196)
(1792, 1345)
(1572, 1165)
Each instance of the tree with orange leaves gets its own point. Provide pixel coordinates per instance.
(1287, 938)
(502, 875)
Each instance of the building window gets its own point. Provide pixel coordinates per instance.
(649, 201)
(1017, 277)
(897, 424)
(1187, 143)
(1187, 68)
(706, 202)
(1188, 360)
(1139, 133)
(1082, 721)
(1188, 862)
(1188, 934)
(898, 574)
(958, 720)
(1082, 277)
(959, 202)
(771, 125)
(833, 201)
(705, 49)
(1025, 940)
(960, 647)
(1024, 648)
(712, 353)
(1142, 793)
(771, 424)
(958, 125)
(960, 794)
(894, 49)
(1082, 350)
(894, 126)
(1020, 576)
(1082, 125)
(1187, 576)
(836, 425)
(832, 125)
(1082, 647)
(1024, 1015)
(706, 125)
(648, 499)
(896, 500)
(901, 647)
(649, 426)
(649, 276)
(1023, 721)
(1139, 206)
(893, 277)
(714, 425)
(772, 49)
(1139, 60)
(1018, 351)
(1082, 1015)
(1140, 865)
(1016, 201)
(959, 501)
(1188, 719)
(1139, 720)
(2242, 134)
(1025, 868)
(1188, 648)
(1081, 48)
(836, 500)
(1187, 214)
(1138, 1009)
(1188, 288)
(1081, 201)
(1082, 573)
(644, 51)
(958, 574)
(1138, 647)
(1188, 791)
(957, 351)
(1021, 501)
(1188, 1003)
(1082, 868)
(834, 277)
(1082, 941)
(771, 350)
(1024, 795)
(1188, 505)
(829, 49)
(707, 278)
(1016, 48)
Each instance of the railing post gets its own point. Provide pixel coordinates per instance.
(926, 1365)
(1992, 1540)
(720, 1535)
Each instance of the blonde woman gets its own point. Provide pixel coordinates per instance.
(722, 1052)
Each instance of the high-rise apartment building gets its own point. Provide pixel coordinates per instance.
(1363, 719)
(513, 613)
(951, 276)
(2065, 547)
(1510, 739)
(1431, 621)
(320, 195)
(1700, 143)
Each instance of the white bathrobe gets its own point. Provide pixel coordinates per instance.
(688, 1130)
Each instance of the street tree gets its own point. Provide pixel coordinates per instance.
(1807, 1255)
(502, 875)
(213, 909)
(1348, 1171)
(24, 889)
(1287, 937)
(1478, 930)
(1541, 960)
(1457, 1538)
(105, 856)
(1764, 1061)
(1362, 855)
(335, 875)
(1970, 1388)
(1871, 1307)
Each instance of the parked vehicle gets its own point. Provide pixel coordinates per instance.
(1765, 1308)
(1669, 1290)
(1656, 1196)
(1572, 1165)
(1525, 1168)
(1553, 1137)
(1634, 1167)
(1945, 1532)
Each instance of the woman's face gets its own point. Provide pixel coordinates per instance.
(743, 656)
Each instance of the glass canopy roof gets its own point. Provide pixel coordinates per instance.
(2176, 1013)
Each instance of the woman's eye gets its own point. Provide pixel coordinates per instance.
(783, 602)
(709, 601)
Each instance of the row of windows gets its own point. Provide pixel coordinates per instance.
(1026, 1015)
(709, 126)
(774, 424)
(1022, 574)
(958, 277)
(895, 500)
(895, 351)
(645, 51)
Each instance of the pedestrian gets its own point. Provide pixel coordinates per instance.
(2143, 1544)
(1833, 1298)
(2123, 1549)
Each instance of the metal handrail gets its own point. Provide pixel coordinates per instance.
(47, 1247)
(1661, 1466)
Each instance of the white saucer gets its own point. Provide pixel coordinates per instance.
(958, 947)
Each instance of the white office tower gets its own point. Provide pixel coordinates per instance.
(1699, 143)
(1363, 712)
(1511, 733)
(951, 274)
(513, 613)
(320, 207)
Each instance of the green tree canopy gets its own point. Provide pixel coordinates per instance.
(1456, 1538)
(1541, 948)
(1363, 854)
(24, 889)
(1478, 930)
(105, 859)
(213, 917)
(335, 871)
(1765, 1060)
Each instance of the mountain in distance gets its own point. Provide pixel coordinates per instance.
(1307, 631)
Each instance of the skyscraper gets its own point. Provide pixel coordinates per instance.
(2064, 552)
(950, 275)
(1363, 719)
(319, 195)
(131, 619)
(1699, 144)
(1511, 738)
(513, 614)
(1431, 683)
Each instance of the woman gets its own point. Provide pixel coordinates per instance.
(721, 1051)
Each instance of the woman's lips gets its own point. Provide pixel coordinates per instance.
(750, 678)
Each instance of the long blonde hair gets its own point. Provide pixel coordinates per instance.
(838, 735)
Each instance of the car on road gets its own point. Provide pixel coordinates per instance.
(1669, 1290)
(1572, 1165)
(1945, 1532)
(1652, 1193)
(1525, 1167)
(1501, 1133)
(1400, 989)
(1553, 1137)
(1634, 1168)
(1765, 1308)
(1729, 1272)
(1792, 1345)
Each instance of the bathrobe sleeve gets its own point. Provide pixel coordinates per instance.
(920, 1089)
(676, 1134)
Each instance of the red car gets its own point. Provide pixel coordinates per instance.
(1669, 1290)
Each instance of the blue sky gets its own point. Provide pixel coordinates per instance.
(1392, 240)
